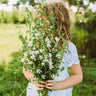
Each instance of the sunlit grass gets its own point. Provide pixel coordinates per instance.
(9, 41)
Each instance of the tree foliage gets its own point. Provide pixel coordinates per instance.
(4, 1)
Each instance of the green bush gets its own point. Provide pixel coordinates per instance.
(86, 25)
(12, 17)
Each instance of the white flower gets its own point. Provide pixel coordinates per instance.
(31, 52)
(45, 60)
(50, 62)
(47, 21)
(33, 48)
(46, 57)
(22, 60)
(41, 50)
(33, 56)
(25, 54)
(43, 34)
(37, 38)
(57, 39)
(81, 21)
(51, 66)
(36, 30)
(30, 43)
(39, 71)
(49, 29)
(51, 26)
(63, 59)
(40, 19)
(58, 55)
(47, 39)
(50, 55)
(48, 45)
(43, 63)
(30, 62)
(40, 57)
(36, 34)
(33, 38)
(36, 52)
(53, 76)
(61, 64)
(48, 42)
(43, 76)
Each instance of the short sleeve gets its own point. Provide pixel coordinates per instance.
(72, 55)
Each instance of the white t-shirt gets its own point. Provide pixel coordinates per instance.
(70, 58)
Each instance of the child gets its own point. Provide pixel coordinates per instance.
(61, 85)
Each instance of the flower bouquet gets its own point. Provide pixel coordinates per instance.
(43, 55)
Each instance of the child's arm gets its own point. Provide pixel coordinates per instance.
(74, 79)
(29, 76)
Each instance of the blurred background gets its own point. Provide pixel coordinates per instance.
(83, 29)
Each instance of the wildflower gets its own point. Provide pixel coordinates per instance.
(36, 52)
(30, 62)
(40, 57)
(50, 55)
(33, 56)
(25, 54)
(30, 43)
(43, 63)
(49, 29)
(33, 48)
(57, 39)
(63, 59)
(51, 66)
(40, 19)
(53, 76)
(46, 39)
(43, 76)
(36, 34)
(22, 60)
(31, 52)
(48, 45)
(51, 26)
(58, 55)
(41, 50)
(38, 71)
(47, 21)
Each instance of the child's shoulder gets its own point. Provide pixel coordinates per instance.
(71, 44)
(72, 47)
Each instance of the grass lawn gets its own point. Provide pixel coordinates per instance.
(9, 41)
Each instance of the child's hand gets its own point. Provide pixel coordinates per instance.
(40, 85)
(51, 84)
